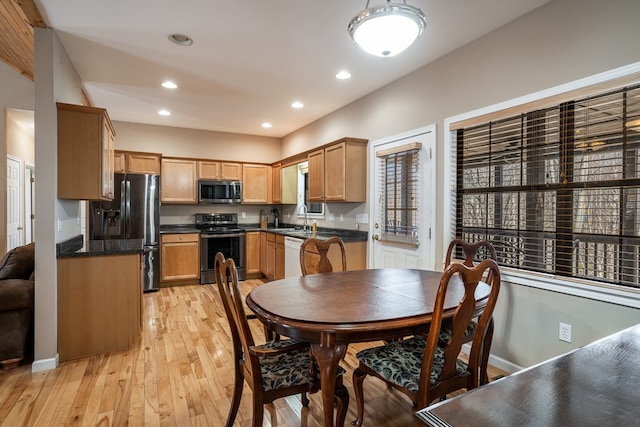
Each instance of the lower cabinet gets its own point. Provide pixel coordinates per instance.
(180, 258)
(99, 304)
(272, 265)
(252, 244)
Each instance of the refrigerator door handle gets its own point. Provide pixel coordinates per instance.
(127, 209)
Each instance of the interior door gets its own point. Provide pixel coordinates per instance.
(15, 235)
(385, 252)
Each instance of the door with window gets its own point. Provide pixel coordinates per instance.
(402, 197)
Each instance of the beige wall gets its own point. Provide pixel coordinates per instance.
(196, 143)
(20, 139)
(560, 42)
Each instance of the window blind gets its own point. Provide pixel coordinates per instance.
(557, 189)
(398, 201)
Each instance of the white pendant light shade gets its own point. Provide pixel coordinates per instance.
(388, 29)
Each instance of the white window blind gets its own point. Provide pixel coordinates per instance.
(399, 179)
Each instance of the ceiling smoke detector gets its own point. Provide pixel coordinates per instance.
(180, 39)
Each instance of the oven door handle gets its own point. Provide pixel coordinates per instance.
(213, 236)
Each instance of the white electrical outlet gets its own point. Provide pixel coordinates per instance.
(332, 217)
(564, 332)
(244, 214)
(341, 217)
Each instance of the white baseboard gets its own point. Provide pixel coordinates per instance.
(496, 361)
(44, 364)
(503, 364)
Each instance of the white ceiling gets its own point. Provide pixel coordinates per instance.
(250, 59)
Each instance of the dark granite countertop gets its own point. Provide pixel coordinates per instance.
(347, 236)
(290, 230)
(76, 247)
(178, 229)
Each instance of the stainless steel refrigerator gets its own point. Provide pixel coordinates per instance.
(134, 213)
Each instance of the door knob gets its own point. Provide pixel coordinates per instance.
(375, 237)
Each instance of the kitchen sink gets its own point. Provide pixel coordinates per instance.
(309, 233)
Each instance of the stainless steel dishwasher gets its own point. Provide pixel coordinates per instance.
(292, 257)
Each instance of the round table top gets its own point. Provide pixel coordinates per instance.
(360, 300)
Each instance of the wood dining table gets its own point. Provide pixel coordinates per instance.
(331, 310)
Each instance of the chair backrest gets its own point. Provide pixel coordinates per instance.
(314, 257)
(227, 280)
(471, 250)
(467, 310)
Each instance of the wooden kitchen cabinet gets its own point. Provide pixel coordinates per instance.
(252, 244)
(279, 257)
(178, 181)
(137, 162)
(276, 174)
(316, 176)
(212, 169)
(263, 253)
(337, 173)
(180, 257)
(85, 153)
(255, 183)
(99, 304)
(274, 260)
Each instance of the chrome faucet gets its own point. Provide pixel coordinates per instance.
(305, 225)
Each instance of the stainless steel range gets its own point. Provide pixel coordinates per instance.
(220, 233)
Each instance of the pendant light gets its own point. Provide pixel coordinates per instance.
(387, 29)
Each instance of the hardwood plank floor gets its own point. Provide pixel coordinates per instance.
(180, 374)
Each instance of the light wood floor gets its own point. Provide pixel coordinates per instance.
(179, 375)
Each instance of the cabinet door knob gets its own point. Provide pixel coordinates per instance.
(375, 237)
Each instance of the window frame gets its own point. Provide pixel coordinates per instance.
(599, 83)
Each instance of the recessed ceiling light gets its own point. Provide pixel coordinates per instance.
(180, 39)
(164, 112)
(297, 104)
(266, 125)
(169, 84)
(343, 75)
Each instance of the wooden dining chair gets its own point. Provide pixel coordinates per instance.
(314, 255)
(273, 370)
(420, 367)
(472, 253)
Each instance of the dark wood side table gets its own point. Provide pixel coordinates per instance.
(596, 385)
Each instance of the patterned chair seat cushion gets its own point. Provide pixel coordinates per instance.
(400, 362)
(287, 369)
(446, 333)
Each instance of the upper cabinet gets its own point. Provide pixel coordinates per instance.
(337, 172)
(178, 180)
(209, 169)
(85, 153)
(276, 174)
(256, 181)
(136, 162)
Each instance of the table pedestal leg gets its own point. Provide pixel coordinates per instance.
(328, 354)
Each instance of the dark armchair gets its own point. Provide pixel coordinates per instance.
(16, 305)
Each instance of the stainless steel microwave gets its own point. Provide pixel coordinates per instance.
(213, 191)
